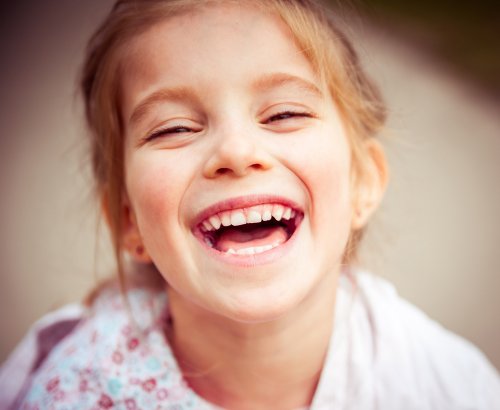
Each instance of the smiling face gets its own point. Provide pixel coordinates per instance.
(228, 130)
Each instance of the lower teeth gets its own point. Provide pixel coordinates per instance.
(252, 250)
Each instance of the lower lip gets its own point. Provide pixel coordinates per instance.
(264, 258)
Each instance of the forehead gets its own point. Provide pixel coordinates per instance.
(223, 44)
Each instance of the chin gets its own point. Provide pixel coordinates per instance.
(262, 305)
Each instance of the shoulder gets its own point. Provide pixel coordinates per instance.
(410, 349)
(117, 355)
(31, 352)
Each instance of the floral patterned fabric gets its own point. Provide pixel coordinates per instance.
(384, 354)
(115, 358)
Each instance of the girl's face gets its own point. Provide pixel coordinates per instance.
(227, 124)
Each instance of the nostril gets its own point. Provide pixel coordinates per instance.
(256, 166)
(223, 171)
(238, 170)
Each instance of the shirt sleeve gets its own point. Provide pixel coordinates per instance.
(420, 359)
(17, 371)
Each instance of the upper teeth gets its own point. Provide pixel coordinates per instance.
(254, 214)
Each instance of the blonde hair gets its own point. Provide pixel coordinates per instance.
(323, 44)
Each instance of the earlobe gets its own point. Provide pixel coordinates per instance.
(371, 184)
(138, 253)
(131, 238)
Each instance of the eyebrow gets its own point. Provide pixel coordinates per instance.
(179, 94)
(276, 80)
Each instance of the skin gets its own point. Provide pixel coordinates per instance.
(233, 324)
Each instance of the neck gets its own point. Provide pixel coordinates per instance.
(246, 366)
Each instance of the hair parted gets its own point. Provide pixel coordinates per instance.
(312, 26)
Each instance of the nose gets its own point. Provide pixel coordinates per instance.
(236, 153)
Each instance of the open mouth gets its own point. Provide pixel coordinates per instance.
(251, 230)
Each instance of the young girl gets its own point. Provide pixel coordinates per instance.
(234, 153)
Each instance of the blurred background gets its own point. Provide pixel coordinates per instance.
(462, 35)
(436, 236)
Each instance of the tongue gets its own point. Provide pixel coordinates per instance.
(239, 238)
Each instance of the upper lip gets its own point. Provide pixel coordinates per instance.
(244, 202)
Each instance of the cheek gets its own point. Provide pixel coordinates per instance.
(324, 169)
(331, 194)
(153, 187)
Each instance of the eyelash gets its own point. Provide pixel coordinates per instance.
(280, 116)
(170, 130)
(287, 114)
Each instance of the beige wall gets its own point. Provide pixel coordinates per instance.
(436, 236)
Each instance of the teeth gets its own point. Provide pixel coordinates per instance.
(251, 215)
(267, 214)
(225, 218)
(209, 241)
(287, 213)
(245, 251)
(254, 217)
(215, 221)
(252, 250)
(265, 248)
(208, 226)
(278, 212)
(238, 218)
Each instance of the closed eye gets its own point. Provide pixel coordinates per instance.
(285, 115)
(168, 131)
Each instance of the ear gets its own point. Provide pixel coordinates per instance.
(370, 185)
(131, 238)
